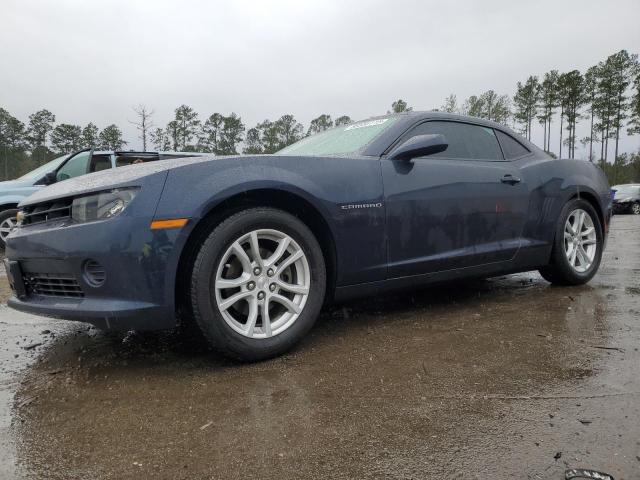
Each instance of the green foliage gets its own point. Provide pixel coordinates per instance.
(526, 103)
(489, 106)
(320, 124)
(571, 97)
(400, 106)
(626, 169)
(269, 137)
(90, 137)
(221, 135)
(343, 120)
(40, 124)
(450, 104)
(548, 102)
(111, 138)
(160, 139)
(11, 131)
(185, 128)
(66, 138)
(634, 124)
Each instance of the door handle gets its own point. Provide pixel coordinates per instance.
(510, 179)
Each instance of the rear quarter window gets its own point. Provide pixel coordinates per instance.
(510, 146)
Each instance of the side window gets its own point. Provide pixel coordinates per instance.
(510, 146)
(465, 141)
(100, 162)
(125, 160)
(75, 166)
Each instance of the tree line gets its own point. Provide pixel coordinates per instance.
(607, 96)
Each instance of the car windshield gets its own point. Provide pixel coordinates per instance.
(340, 140)
(625, 190)
(42, 170)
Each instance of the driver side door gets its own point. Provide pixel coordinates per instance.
(452, 209)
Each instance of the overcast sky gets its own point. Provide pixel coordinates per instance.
(94, 60)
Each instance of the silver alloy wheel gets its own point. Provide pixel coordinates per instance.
(6, 226)
(262, 283)
(635, 208)
(580, 240)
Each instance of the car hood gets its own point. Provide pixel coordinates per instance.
(629, 198)
(111, 178)
(15, 184)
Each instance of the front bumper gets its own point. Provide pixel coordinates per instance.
(50, 261)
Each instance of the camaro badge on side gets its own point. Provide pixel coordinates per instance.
(357, 206)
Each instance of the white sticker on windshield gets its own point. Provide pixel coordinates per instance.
(370, 123)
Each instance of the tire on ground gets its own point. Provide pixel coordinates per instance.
(203, 275)
(560, 271)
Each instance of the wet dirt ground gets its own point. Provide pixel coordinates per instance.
(501, 378)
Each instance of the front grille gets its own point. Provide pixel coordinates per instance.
(44, 212)
(52, 285)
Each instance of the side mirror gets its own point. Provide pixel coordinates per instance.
(48, 179)
(420, 146)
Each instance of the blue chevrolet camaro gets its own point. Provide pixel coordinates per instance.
(249, 248)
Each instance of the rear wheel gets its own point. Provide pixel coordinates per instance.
(577, 247)
(257, 284)
(635, 208)
(7, 223)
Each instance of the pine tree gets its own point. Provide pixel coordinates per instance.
(89, 137)
(400, 106)
(450, 104)
(343, 120)
(622, 66)
(634, 124)
(548, 98)
(160, 139)
(66, 138)
(571, 99)
(111, 138)
(40, 124)
(186, 127)
(320, 124)
(526, 103)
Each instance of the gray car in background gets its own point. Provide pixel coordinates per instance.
(12, 192)
(626, 198)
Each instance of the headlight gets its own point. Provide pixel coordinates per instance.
(102, 205)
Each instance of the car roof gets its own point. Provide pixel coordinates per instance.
(132, 153)
(437, 115)
(407, 119)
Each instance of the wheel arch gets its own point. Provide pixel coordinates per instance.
(263, 197)
(592, 198)
(8, 206)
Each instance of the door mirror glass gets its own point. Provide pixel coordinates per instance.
(420, 146)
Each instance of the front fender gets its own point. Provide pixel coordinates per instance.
(326, 183)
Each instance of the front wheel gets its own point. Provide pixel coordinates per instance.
(8, 222)
(635, 208)
(257, 284)
(577, 247)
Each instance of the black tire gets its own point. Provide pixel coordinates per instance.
(560, 271)
(206, 313)
(4, 215)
